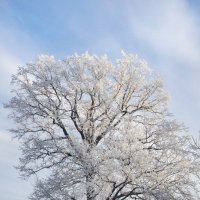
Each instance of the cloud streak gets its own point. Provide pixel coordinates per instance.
(168, 34)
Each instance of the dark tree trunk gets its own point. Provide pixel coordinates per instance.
(89, 187)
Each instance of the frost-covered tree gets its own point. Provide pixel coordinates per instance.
(100, 131)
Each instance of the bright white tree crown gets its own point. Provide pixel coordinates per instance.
(101, 129)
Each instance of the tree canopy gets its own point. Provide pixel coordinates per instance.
(101, 131)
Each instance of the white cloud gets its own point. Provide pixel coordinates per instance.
(167, 33)
(15, 50)
(9, 154)
(168, 27)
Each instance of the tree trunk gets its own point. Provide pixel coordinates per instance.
(89, 187)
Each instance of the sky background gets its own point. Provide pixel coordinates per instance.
(165, 33)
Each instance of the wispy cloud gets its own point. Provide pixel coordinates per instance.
(16, 48)
(11, 185)
(168, 34)
(169, 28)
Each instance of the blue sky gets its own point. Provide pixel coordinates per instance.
(165, 33)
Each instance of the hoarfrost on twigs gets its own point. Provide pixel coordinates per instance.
(102, 130)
